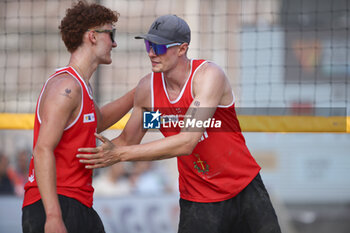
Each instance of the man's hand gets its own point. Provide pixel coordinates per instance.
(101, 156)
(55, 225)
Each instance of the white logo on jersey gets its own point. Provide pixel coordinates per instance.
(31, 178)
(89, 118)
(204, 136)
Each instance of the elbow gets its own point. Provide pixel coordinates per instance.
(188, 142)
(186, 151)
(187, 148)
(40, 151)
(37, 150)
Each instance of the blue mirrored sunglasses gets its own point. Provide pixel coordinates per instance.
(158, 49)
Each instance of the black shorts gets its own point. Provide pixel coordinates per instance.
(251, 211)
(76, 216)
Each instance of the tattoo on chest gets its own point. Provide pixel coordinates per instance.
(197, 103)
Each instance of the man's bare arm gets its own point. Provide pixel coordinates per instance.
(131, 134)
(208, 95)
(112, 112)
(60, 100)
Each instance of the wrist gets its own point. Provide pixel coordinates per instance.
(121, 154)
(54, 213)
(52, 216)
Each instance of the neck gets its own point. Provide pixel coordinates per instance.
(83, 65)
(176, 78)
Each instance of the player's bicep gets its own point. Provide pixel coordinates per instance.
(209, 87)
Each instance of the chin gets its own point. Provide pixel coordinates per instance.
(157, 69)
(106, 62)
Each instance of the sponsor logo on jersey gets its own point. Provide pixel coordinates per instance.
(200, 165)
(89, 118)
(31, 178)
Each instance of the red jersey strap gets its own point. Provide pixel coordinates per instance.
(158, 87)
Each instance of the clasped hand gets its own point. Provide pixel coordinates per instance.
(101, 156)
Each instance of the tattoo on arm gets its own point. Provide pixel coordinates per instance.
(194, 110)
(67, 93)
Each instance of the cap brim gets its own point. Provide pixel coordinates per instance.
(154, 39)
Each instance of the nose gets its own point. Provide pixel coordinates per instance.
(114, 44)
(151, 53)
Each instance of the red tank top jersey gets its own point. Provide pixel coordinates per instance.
(73, 179)
(221, 165)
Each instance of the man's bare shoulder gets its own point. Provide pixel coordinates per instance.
(63, 80)
(145, 82)
(210, 68)
(63, 85)
(210, 80)
(209, 73)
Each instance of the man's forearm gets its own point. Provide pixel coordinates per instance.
(177, 145)
(110, 152)
(45, 173)
(114, 111)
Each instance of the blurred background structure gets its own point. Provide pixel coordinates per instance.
(288, 62)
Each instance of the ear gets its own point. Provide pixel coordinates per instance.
(183, 49)
(91, 37)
